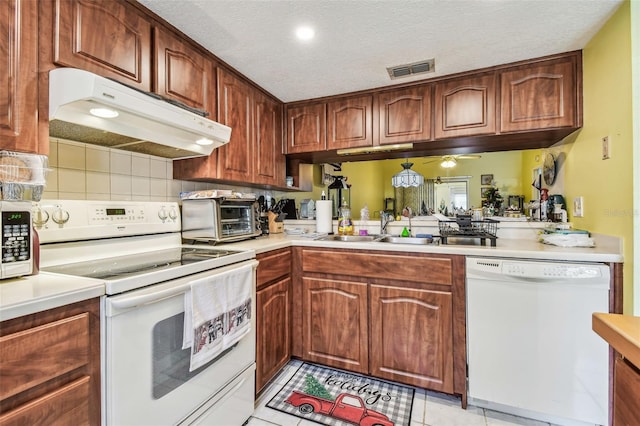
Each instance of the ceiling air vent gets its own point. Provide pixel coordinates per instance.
(407, 70)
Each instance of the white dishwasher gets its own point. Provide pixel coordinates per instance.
(531, 350)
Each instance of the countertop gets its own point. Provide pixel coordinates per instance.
(607, 249)
(622, 332)
(26, 295)
(36, 293)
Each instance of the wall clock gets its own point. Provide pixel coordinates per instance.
(549, 169)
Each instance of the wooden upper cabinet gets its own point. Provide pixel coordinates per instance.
(183, 73)
(106, 37)
(235, 159)
(465, 106)
(269, 158)
(306, 128)
(403, 115)
(540, 96)
(19, 76)
(349, 122)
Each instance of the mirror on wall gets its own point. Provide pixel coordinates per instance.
(463, 185)
(447, 195)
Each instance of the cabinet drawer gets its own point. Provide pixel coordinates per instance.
(36, 355)
(68, 405)
(273, 265)
(402, 267)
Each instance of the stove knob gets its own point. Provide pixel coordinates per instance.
(173, 214)
(40, 217)
(162, 214)
(60, 216)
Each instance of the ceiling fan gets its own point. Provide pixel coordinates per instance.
(449, 161)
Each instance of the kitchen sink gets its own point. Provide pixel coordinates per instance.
(352, 238)
(405, 240)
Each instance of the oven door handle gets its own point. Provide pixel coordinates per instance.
(145, 299)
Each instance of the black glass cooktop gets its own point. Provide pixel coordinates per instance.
(139, 263)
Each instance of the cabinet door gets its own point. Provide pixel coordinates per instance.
(626, 393)
(349, 122)
(183, 73)
(106, 37)
(19, 76)
(235, 159)
(269, 158)
(538, 97)
(306, 128)
(404, 115)
(334, 323)
(273, 325)
(411, 336)
(465, 107)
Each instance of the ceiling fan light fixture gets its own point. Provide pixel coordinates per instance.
(407, 177)
(448, 163)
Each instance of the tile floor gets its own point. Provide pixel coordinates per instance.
(429, 409)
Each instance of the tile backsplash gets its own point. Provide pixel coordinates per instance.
(89, 172)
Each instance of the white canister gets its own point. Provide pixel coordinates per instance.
(477, 214)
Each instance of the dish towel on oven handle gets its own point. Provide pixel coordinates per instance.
(217, 314)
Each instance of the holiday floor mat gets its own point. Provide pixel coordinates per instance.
(334, 397)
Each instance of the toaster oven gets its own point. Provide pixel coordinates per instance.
(217, 220)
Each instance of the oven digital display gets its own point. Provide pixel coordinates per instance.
(116, 212)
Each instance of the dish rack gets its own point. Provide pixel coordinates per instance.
(22, 176)
(464, 227)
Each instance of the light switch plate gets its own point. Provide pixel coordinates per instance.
(578, 207)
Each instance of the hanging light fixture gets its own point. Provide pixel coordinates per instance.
(407, 177)
(448, 162)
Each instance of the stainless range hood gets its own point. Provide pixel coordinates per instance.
(141, 122)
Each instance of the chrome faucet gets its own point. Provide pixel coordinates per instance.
(385, 218)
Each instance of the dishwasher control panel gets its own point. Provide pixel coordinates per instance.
(535, 270)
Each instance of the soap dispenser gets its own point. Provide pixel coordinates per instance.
(345, 224)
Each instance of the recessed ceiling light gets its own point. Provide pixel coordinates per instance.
(305, 33)
(104, 112)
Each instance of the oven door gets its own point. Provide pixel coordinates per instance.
(147, 378)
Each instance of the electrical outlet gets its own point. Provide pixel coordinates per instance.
(578, 207)
(606, 148)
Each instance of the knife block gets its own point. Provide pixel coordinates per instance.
(275, 227)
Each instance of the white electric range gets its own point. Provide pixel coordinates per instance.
(136, 249)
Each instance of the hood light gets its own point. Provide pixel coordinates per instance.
(204, 142)
(104, 112)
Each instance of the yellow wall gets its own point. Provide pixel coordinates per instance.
(606, 185)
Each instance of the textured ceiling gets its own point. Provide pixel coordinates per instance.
(357, 40)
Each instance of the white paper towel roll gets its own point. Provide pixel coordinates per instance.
(324, 220)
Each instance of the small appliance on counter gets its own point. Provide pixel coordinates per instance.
(220, 219)
(17, 239)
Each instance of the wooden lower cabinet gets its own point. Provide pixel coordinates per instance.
(412, 336)
(273, 315)
(334, 325)
(50, 367)
(394, 315)
(626, 394)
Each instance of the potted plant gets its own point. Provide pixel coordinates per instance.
(492, 199)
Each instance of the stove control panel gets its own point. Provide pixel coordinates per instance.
(71, 220)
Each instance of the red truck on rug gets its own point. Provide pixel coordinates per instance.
(346, 407)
